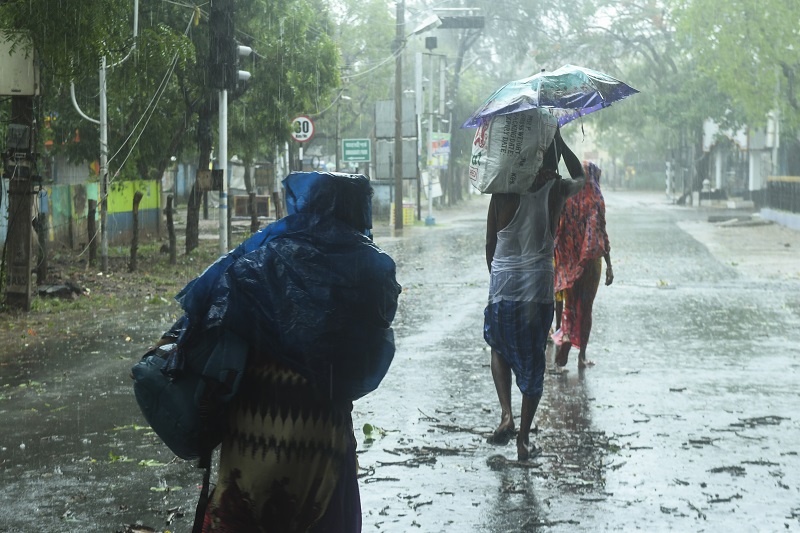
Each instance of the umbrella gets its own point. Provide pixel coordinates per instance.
(570, 91)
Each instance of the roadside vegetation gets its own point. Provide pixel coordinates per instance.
(74, 289)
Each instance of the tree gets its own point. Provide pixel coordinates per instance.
(747, 49)
(295, 68)
(636, 41)
(168, 69)
(71, 40)
(362, 32)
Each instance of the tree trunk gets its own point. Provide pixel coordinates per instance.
(92, 231)
(278, 202)
(173, 252)
(174, 144)
(204, 141)
(41, 231)
(134, 264)
(251, 196)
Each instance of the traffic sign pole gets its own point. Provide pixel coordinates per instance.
(223, 162)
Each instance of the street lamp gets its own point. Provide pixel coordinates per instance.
(431, 22)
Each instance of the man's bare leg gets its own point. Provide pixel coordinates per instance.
(501, 373)
(529, 406)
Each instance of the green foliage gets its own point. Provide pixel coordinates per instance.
(366, 68)
(114, 458)
(748, 49)
(295, 68)
(155, 93)
(691, 60)
(151, 463)
(372, 432)
(637, 42)
(71, 38)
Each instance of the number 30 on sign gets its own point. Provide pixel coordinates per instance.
(302, 129)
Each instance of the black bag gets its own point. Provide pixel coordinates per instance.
(184, 390)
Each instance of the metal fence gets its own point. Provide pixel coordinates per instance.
(783, 193)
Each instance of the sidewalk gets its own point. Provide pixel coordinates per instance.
(757, 246)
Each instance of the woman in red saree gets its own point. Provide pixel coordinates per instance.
(581, 241)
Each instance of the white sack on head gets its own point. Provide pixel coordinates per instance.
(508, 150)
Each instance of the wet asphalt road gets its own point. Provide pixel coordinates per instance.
(687, 423)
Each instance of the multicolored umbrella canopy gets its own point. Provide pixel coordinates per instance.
(570, 92)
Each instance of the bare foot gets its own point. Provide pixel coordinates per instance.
(522, 450)
(503, 433)
(583, 362)
(500, 437)
(525, 451)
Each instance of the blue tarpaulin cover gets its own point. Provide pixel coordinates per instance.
(311, 289)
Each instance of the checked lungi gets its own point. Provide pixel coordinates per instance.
(518, 332)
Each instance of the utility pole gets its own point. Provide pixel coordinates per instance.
(18, 166)
(472, 20)
(430, 44)
(336, 137)
(20, 81)
(102, 122)
(338, 143)
(222, 67)
(103, 168)
(398, 115)
(223, 163)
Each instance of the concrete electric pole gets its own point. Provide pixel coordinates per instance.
(398, 115)
(20, 81)
(18, 166)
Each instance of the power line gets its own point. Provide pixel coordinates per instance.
(151, 106)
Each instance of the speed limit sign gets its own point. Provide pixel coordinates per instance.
(302, 129)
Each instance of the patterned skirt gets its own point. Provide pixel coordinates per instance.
(576, 317)
(288, 462)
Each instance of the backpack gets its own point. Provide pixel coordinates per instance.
(183, 390)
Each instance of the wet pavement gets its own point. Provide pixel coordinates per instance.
(686, 423)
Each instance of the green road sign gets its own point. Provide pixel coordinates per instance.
(356, 150)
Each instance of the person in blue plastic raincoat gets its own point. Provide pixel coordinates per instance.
(314, 298)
